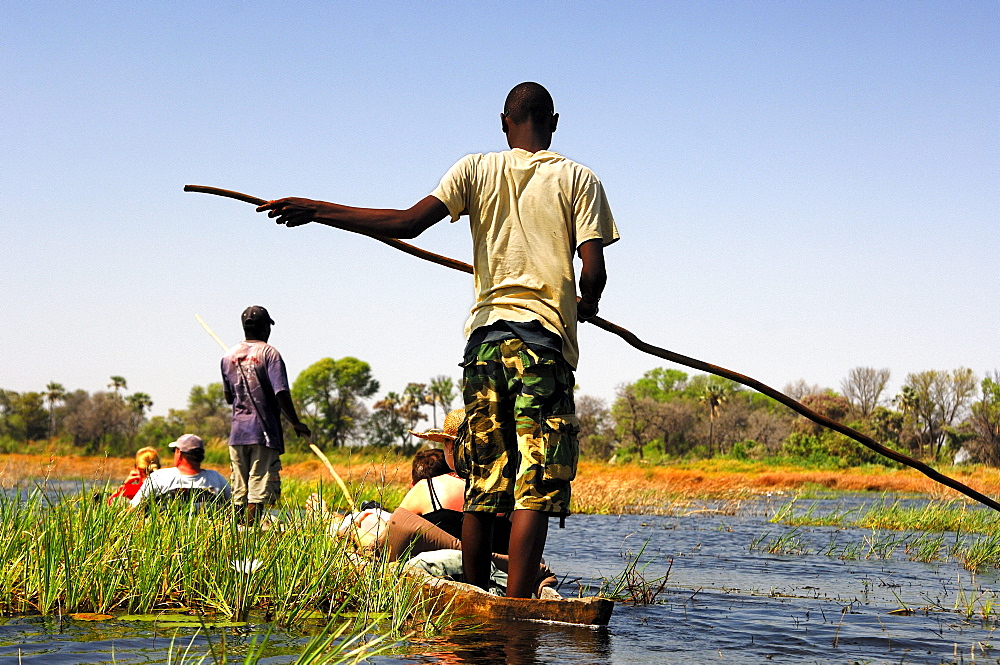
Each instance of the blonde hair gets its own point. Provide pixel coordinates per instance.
(147, 460)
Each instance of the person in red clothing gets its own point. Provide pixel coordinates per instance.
(147, 460)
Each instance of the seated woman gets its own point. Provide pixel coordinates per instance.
(446, 512)
(438, 494)
(147, 460)
(429, 518)
(435, 499)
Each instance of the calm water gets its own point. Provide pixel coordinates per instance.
(723, 603)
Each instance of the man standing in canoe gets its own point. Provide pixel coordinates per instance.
(256, 384)
(529, 210)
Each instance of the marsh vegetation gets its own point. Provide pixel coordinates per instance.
(70, 555)
(920, 531)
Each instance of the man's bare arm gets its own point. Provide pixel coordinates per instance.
(288, 408)
(387, 223)
(593, 278)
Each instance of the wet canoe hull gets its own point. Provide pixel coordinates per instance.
(470, 602)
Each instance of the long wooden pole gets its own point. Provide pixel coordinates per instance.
(694, 363)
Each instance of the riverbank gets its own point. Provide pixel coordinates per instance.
(599, 487)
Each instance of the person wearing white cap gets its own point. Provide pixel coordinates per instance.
(186, 474)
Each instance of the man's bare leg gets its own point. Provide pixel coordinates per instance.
(477, 545)
(528, 531)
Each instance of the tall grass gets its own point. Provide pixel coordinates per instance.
(931, 516)
(72, 554)
(974, 539)
(294, 492)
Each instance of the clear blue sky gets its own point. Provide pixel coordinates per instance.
(801, 187)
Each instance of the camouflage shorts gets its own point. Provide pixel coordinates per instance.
(519, 450)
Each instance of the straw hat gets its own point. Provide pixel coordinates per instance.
(446, 434)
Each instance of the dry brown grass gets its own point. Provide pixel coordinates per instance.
(15, 469)
(638, 488)
(599, 487)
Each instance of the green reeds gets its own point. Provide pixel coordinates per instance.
(295, 492)
(788, 542)
(74, 554)
(631, 585)
(931, 516)
(974, 539)
(981, 553)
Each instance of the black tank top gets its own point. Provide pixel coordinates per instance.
(451, 521)
(444, 518)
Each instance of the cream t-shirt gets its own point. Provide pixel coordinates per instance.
(528, 213)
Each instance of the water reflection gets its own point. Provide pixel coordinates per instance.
(724, 602)
(63, 641)
(521, 643)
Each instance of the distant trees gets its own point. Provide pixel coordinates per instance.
(676, 425)
(713, 396)
(936, 400)
(681, 415)
(105, 421)
(54, 392)
(633, 416)
(664, 414)
(386, 425)
(441, 392)
(395, 414)
(676, 415)
(102, 421)
(207, 415)
(23, 416)
(863, 389)
(984, 422)
(331, 396)
(415, 395)
(597, 427)
(330, 392)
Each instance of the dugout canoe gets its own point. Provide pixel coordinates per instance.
(470, 602)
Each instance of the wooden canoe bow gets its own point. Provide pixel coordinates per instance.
(694, 363)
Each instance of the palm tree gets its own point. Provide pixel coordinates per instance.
(441, 391)
(139, 402)
(908, 400)
(414, 396)
(118, 384)
(55, 392)
(713, 397)
(394, 425)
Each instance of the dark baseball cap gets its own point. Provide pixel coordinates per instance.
(255, 315)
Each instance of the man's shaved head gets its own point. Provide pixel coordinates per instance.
(529, 100)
